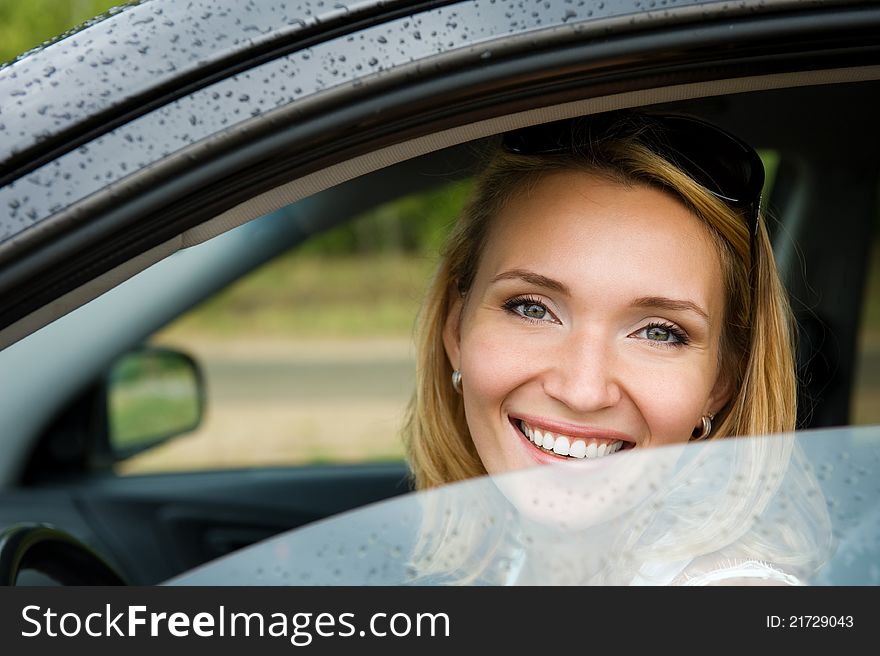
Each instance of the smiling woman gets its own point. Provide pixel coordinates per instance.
(611, 343)
(610, 286)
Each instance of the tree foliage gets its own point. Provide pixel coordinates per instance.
(25, 24)
(416, 224)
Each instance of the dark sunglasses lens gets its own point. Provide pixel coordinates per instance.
(722, 164)
(726, 166)
(543, 139)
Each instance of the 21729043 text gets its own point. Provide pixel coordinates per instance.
(810, 621)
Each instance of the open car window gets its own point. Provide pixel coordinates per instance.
(781, 510)
(309, 358)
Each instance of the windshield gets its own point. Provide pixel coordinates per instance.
(795, 509)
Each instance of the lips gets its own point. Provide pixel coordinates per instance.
(592, 445)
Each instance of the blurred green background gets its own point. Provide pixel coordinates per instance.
(25, 24)
(365, 278)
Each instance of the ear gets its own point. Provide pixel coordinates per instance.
(720, 394)
(451, 332)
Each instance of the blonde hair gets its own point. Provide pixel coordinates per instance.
(756, 351)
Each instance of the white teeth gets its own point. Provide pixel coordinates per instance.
(567, 446)
(561, 446)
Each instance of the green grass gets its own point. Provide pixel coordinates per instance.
(317, 296)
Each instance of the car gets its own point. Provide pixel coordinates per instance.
(155, 157)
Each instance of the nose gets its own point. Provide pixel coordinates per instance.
(584, 374)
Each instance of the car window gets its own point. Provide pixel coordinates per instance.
(741, 511)
(309, 359)
(866, 387)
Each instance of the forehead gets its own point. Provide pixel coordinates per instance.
(594, 233)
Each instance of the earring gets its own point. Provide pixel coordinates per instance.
(707, 427)
(456, 381)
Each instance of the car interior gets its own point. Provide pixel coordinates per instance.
(822, 210)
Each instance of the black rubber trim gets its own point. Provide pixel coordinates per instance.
(237, 62)
(377, 115)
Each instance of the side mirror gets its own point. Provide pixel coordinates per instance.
(153, 394)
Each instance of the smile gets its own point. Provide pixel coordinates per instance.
(570, 447)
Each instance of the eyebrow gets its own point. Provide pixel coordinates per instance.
(533, 279)
(672, 304)
(659, 302)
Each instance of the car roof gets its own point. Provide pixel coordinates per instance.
(137, 57)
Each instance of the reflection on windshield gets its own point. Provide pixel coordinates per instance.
(781, 510)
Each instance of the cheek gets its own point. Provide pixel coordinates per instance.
(491, 373)
(490, 370)
(671, 401)
(487, 366)
(495, 361)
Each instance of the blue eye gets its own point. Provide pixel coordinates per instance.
(659, 334)
(529, 308)
(532, 310)
(663, 333)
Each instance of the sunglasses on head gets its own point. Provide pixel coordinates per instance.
(724, 165)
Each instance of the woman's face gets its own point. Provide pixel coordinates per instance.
(594, 320)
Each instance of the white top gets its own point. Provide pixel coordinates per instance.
(673, 573)
(667, 573)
